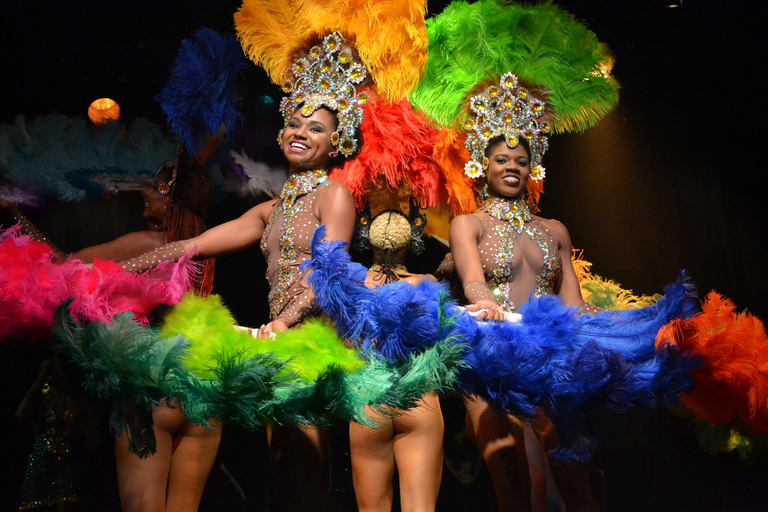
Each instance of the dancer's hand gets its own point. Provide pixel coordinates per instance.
(269, 330)
(488, 310)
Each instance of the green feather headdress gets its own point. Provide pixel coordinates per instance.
(556, 57)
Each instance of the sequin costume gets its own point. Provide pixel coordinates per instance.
(289, 299)
(506, 222)
(50, 476)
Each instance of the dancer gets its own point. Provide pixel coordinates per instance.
(393, 178)
(503, 253)
(413, 440)
(321, 114)
(174, 476)
(284, 227)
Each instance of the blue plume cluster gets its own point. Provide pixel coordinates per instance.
(392, 321)
(630, 330)
(200, 97)
(553, 358)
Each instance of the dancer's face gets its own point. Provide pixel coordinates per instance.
(306, 141)
(508, 170)
(155, 203)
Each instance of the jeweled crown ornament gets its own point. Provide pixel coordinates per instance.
(327, 77)
(506, 109)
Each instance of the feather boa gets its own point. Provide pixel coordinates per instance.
(199, 358)
(392, 321)
(732, 381)
(199, 97)
(320, 376)
(32, 286)
(390, 36)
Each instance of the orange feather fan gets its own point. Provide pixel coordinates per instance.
(389, 35)
(732, 381)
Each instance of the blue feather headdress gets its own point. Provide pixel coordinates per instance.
(199, 98)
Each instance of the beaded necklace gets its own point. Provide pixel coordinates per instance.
(516, 219)
(297, 185)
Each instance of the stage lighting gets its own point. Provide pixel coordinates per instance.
(104, 110)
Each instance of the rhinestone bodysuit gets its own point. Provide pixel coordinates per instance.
(292, 214)
(504, 221)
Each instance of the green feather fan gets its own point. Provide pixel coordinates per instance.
(471, 45)
(305, 375)
(210, 328)
(322, 379)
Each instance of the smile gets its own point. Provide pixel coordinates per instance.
(298, 146)
(511, 179)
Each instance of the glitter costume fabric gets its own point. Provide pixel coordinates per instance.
(292, 215)
(507, 225)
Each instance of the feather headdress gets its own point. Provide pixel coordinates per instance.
(471, 45)
(396, 159)
(199, 98)
(555, 58)
(389, 36)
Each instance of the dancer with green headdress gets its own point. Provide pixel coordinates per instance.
(500, 78)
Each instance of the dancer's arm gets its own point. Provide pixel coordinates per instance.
(226, 238)
(464, 237)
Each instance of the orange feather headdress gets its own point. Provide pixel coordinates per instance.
(389, 36)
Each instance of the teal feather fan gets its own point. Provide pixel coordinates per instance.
(321, 380)
(553, 54)
(126, 365)
(67, 159)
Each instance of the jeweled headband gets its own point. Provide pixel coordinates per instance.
(166, 187)
(327, 77)
(509, 110)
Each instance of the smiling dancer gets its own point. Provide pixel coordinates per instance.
(312, 51)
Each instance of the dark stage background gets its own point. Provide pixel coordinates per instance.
(673, 179)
